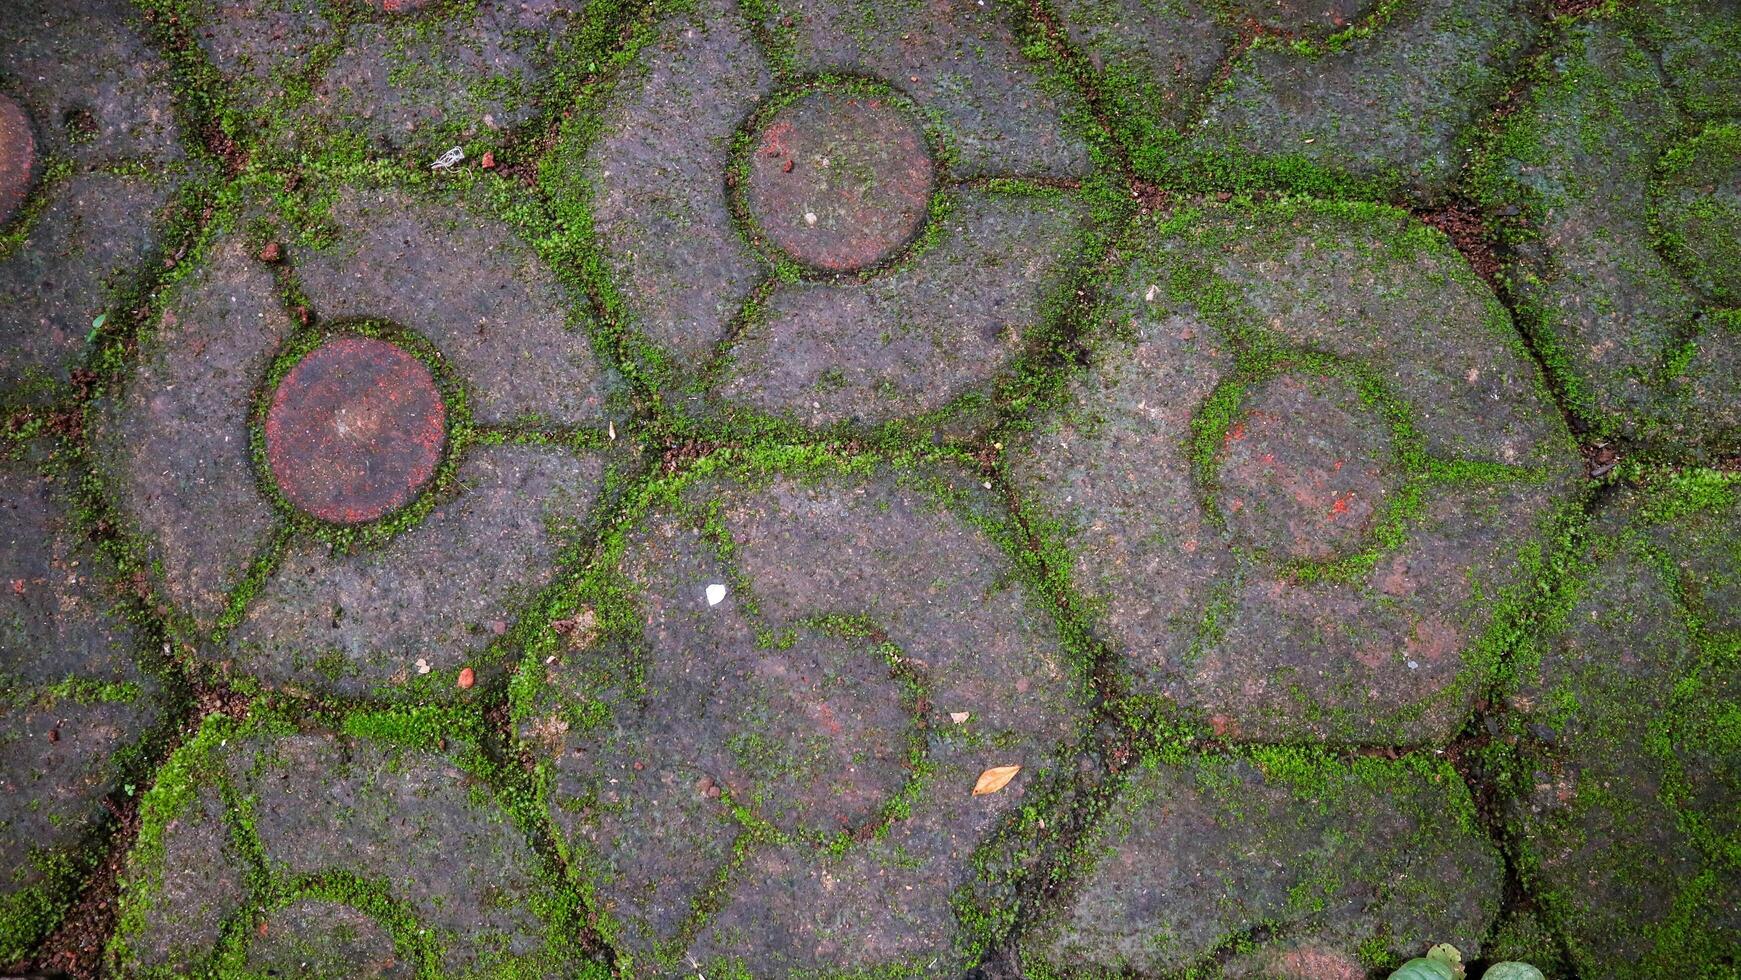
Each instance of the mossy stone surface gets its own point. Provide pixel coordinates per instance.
(1246, 581)
(1589, 177)
(765, 759)
(76, 708)
(1628, 821)
(1286, 859)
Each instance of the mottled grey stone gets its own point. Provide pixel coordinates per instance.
(1331, 856)
(174, 443)
(90, 243)
(377, 813)
(1632, 338)
(75, 707)
(431, 598)
(792, 750)
(1156, 59)
(655, 177)
(470, 286)
(917, 336)
(959, 59)
(1389, 106)
(95, 90)
(311, 938)
(1221, 615)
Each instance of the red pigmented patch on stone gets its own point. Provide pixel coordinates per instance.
(1304, 471)
(355, 430)
(840, 182)
(397, 6)
(17, 157)
(1317, 963)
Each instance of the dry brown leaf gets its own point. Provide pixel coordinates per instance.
(994, 779)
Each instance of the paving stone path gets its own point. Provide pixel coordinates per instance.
(938, 488)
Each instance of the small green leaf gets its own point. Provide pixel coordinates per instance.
(1512, 971)
(96, 325)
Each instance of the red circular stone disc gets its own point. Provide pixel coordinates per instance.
(17, 157)
(1304, 470)
(840, 182)
(355, 430)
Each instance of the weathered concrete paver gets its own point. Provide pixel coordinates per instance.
(1628, 823)
(1316, 96)
(1288, 862)
(845, 488)
(1300, 472)
(76, 709)
(246, 440)
(820, 210)
(87, 98)
(297, 837)
(768, 765)
(396, 79)
(1620, 175)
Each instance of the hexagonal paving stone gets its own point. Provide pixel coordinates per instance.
(1615, 183)
(1302, 471)
(1284, 861)
(469, 325)
(821, 215)
(766, 762)
(1329, 91)
(1630, 827)
(91, 98)
(380, 849)
(399, 78)
(76, 709)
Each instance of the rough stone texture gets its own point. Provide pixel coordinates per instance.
(405, 85)
(1698, 211)
(17, 157)
(839, 181)
(95, 90)
(916, 336)
(1330, 855)
(655, 178)
(174, 444)
(895, 341)
(1632, 341)
(74, 705)
(761, 751)
(431, 598)
(1156, 60)
(1389, 106)
(90, 94)
(313, 938)
(414, 827)
(1380, 653)
(355, 430)
(961, 61)
(1629, 826)
(470, 286)
(183, 888)
(394, 83)
(91, 240)
(1306, 469)
(1304, 17)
